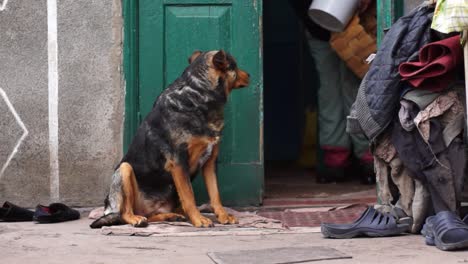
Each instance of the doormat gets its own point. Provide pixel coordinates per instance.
(313, 217)
(277, 255)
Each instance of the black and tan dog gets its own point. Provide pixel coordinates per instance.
(179, 137)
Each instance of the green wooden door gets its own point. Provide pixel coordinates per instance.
(160, 35)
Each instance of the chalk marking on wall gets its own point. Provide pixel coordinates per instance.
(52, 46)
(20, 123)
(3, 6)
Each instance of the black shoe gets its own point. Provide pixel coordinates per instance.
(55, 213)
(13, 213)
(330, 175)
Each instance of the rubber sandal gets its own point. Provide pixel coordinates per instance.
(429, 236)
(54, 213)
(10, 212)
(371, 223)
(427, 233)
(446, 231)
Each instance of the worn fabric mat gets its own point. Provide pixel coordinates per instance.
(249, 224)
(313, 217)
(277, 255)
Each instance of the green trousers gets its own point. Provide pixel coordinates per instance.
(337, 92)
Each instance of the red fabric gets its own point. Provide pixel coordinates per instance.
(336, 157)
(436, 66)
(367, 158)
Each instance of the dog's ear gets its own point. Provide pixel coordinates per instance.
(220, 60)
(195, 55)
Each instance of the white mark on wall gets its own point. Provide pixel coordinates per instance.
(52, 47)
(3, 5)
(20, 123)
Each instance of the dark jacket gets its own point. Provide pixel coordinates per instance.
(378, 98)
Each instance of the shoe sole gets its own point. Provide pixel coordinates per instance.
(452, 246)
(363, 232)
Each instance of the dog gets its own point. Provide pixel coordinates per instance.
(177, 139)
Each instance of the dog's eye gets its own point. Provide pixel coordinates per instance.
(233, 74)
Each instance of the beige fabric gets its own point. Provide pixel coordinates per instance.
(413, 200)
(400, 175)
(249, 224)
(420, 206)
(450, 110)
(390, 168)
(384, 149)
(384, 194)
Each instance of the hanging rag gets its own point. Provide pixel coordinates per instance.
(406, 120)
(450, 16)
(412, 199)
(420, 97)
(434, 152)
(436, 68)
(450, 110)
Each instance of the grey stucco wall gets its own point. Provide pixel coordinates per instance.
(90, 99)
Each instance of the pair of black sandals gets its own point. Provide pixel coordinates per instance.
(54, 213)
(445, 230)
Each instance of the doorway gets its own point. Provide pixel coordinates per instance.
(290, 119)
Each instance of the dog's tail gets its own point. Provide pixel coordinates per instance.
(108, 220)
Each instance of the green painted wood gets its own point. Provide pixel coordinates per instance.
(387, 13)
(130, 71)
(198, 2)
(167, 33)
(235, 184)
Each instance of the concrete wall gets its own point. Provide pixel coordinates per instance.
(90, 101)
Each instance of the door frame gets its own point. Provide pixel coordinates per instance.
(387, 13)
(130, 64)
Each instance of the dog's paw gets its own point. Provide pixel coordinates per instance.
(138, 221)
(201, 221)
(225, 218)
(177, 218)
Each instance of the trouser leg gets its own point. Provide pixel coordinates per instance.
(350, 86)
(333, 139)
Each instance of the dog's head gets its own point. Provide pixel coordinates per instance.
(220, 68)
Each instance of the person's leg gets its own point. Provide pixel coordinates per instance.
(333, 140)
(360, 144)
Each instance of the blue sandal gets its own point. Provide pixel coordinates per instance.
(446, 231)
(371, 223)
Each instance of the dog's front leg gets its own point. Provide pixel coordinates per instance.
(209, 175)
(129, 196)
(187, 198)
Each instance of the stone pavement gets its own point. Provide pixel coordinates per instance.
(75, 242)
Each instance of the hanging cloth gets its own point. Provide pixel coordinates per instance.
(450, 16)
